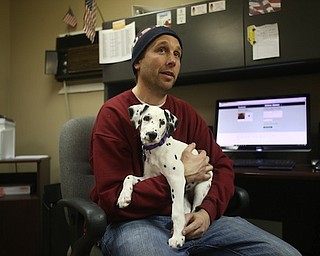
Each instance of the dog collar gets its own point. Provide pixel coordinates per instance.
(153, 146)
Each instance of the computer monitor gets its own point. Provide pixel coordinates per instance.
(264, 124)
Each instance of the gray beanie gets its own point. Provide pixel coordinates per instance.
(145, 37)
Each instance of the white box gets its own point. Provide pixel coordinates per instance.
(7, 138)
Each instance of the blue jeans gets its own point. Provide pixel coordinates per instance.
(226, 236)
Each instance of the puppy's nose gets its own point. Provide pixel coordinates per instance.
(152, 135)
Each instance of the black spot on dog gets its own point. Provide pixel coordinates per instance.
(176, 124)
(165, 166)
(161, 122)
(175, 156)
(166, 115)
(172, 193)
(131, 112)
(144, 109)
(174, 168)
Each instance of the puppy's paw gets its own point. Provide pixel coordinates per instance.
(176, 241)
(124, 199)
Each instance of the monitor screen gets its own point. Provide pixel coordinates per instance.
(278, 123)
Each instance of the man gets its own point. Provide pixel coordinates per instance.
(143, 228)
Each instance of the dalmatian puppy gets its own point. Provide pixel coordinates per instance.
(162, 154)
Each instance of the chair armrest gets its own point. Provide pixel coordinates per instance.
(238, 203)
(87, 223)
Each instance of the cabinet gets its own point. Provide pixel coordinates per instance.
(291, 197)
(21, 215)
(215, 45)
(77, 58)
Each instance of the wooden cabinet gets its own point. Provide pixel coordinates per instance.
(21, 215)
(291, 197)
(78, 58)
(215, 45)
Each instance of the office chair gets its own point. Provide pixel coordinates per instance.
(86, 220)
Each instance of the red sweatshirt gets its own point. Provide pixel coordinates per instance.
(116, 152)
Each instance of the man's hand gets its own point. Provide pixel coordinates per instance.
(197, 224)
(196, 167)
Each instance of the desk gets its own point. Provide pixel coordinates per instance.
(20, 215)
(292, 197)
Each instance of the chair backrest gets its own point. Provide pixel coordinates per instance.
(74, 145)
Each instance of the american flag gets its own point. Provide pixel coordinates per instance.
(89, 19)
(257, 7)
(70, 19)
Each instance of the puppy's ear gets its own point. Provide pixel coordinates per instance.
(172, 122)
(135, 112)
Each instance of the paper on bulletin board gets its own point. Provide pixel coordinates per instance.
(181, 15)
(115, 45)
(199, 9)
(164, 19)
(266, 42)
(217, 6)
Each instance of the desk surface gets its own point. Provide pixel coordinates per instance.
(299, 172)
(25, 159)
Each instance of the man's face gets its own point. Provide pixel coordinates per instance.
(160, 66)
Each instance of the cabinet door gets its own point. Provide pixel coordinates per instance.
(20, 226)
(299, 32)
(211, 42)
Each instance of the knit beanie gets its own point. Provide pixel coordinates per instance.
(145, 38)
